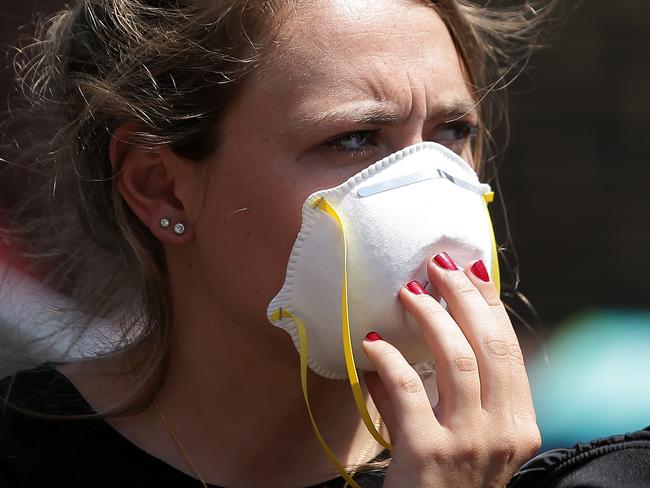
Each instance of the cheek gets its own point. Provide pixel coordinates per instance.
(245, 252)
(468, 155)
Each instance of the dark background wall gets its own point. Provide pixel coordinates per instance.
(577, 171)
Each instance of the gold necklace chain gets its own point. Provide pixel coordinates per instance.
(364, 452)
(179, 444)
(197, 474)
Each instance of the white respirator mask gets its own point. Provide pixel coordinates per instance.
(396, 214)
(362, 241)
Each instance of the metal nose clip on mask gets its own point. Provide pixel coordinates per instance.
(363, 240)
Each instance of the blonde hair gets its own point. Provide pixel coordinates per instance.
(171, 69)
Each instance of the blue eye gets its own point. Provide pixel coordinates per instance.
(353, 142)
(456, 132)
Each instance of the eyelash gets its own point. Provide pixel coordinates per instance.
(337, 142)
(470, 130)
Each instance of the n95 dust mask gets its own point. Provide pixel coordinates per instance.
(363, 240)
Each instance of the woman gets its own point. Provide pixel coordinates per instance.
(191, 134)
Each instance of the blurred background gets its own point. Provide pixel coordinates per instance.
(575, 177)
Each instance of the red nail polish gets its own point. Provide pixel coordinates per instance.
(479, 270)
(444, 261)
(416, 288)
(373, 336)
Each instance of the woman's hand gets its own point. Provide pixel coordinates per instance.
(483, 427)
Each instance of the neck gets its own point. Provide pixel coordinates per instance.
(237, 398)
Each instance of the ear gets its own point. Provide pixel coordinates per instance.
(149, 179)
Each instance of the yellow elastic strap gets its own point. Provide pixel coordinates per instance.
(345, 331)
(496, 276)
(304, 354)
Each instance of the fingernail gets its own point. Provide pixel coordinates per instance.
(444, 261)
(415, 287)
(479, 270)
(373, 336)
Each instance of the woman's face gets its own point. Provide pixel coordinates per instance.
(348, 83)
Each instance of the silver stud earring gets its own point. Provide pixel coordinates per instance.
(165, 223)
(179, 229)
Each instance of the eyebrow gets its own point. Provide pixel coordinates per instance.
(379, 113)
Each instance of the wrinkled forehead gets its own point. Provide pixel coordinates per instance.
(323, 34)
(372, 46)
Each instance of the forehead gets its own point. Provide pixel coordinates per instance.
(380, 47)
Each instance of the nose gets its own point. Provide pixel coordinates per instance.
(411, 129)
(406, 135)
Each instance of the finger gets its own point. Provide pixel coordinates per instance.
(488, 336)
(477, 273)
(456, 365)
(381, 399)
(412, 414)
(521, 398)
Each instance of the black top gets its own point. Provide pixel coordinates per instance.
(68, 453)
(39, 453)
(618, 461)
